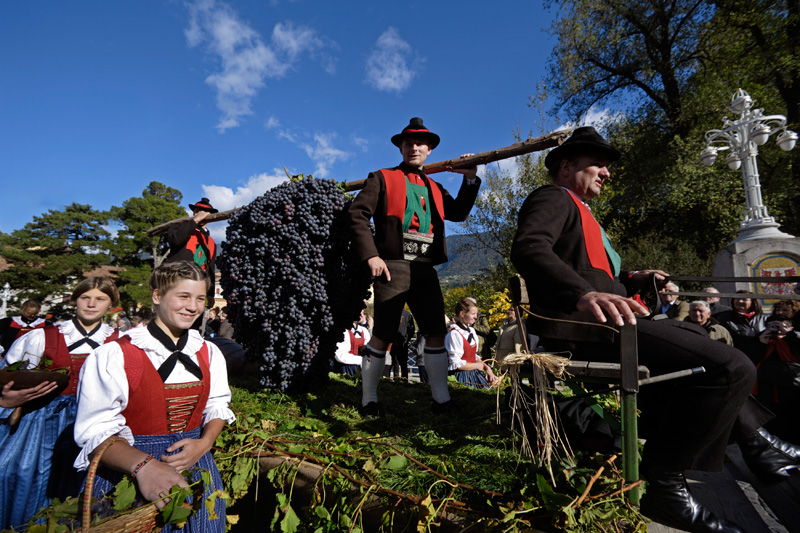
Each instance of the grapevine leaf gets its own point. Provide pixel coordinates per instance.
(553, 501)
(176, 511)
(395, 462)
(124, 494)
(290, 521)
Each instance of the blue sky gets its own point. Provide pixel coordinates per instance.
(99, 98)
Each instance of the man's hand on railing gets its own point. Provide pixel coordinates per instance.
(619, 309)
(641, 278)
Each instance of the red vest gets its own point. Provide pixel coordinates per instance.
(355, 342)
(396, 194)
(199, 254)
(156, 408)
(55, 349)
(470, 351)
(593, 237)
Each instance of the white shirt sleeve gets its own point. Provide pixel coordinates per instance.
(219, 395)
(343, 354)
(29, 347)
(342, 349)
(454, 343)
(102, 396)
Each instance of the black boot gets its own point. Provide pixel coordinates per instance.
(770, 458)
(668, 501)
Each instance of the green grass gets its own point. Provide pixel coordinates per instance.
(418, 468)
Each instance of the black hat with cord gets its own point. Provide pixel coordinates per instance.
(583, 140)
(203, 205)
(417, 130)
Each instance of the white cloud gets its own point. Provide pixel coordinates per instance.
(321, 150)
(271, 123)
(599, 118)
(324, 154)
(293, 41)
(392, 64)
(225, 198)
(361, 142)
(289, 136)
(245, 59)
(508, 166)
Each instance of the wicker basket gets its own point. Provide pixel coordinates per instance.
(140, 520)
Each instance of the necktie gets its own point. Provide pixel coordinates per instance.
(85, 340)
(471, 337)
(167, 366)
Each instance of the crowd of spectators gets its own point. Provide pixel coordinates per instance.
(770, 340)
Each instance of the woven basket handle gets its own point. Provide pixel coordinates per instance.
(89, 489)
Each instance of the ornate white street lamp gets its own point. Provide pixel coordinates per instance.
(743, 137)
(6, 295)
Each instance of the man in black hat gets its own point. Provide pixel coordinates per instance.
(190, 241)
(408, 210)
(573, 274)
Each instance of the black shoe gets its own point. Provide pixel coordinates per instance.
(769, 458)
(668, 501)
(371, 410)
(445, 408)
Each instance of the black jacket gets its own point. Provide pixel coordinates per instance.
(387, 243)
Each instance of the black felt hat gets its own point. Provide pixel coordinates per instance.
(418, 130)
(203, 205)
(583, 140)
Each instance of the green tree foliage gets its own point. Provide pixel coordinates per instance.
(766, 34)
(133, 248)
(639, 49)
(50, 253)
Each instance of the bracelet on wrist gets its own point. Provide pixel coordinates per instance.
(141, 465)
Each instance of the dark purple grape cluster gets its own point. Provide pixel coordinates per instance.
(292, 280)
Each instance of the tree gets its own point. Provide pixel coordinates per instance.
(769, 41)
(643, 50)
(134, 249)
(48, 254)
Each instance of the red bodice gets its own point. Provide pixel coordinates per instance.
(470, 351)
(55, 349)
(157, 408)
(355, 342)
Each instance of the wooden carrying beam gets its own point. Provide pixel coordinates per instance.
(525, 147)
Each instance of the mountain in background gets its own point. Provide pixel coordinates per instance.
(464, 262)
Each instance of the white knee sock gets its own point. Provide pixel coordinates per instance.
(372, 365)
(436, 362)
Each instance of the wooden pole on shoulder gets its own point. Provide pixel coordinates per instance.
(525, 147)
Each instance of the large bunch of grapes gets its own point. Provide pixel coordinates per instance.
(292, 281)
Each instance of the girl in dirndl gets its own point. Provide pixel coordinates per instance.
(347, 358)
(36, 456)
(162, 393)
(462, 348)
